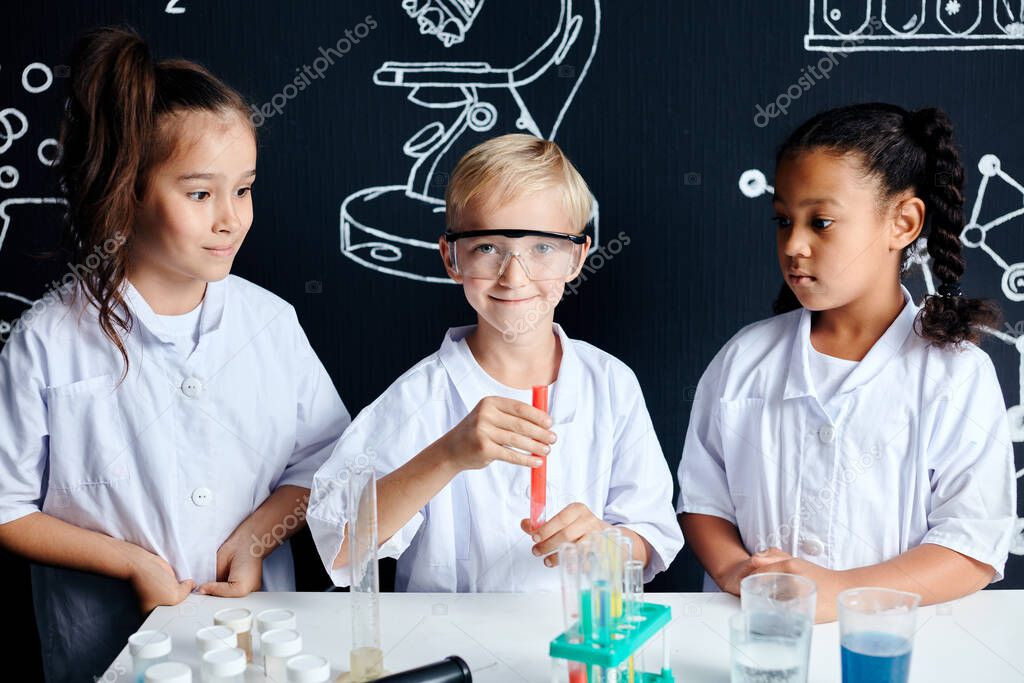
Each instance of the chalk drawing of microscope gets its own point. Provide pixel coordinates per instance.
(393, 229)
(915, 25)
(753, 183)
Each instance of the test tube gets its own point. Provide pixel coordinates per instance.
(569, 562)
(599, 571)
(634, 590)
(539, 475)
(366, 660)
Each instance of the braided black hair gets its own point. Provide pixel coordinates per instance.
(907, 151)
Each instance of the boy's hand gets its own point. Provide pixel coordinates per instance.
(568, 526)
(730, 580)
(829, 582)
(153, 579)
(493, 428)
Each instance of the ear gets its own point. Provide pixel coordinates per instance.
(583, 259)
(907, 223)
(446, 256)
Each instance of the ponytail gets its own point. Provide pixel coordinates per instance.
(948, 317)
(908, 151)
(111, 138)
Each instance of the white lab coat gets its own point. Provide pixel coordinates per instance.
(171, 460)
(919, 452)
(468, 538)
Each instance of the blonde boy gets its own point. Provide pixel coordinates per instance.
(451, 439)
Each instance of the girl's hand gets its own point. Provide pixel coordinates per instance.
(568, 526)
(494, 425)
(153, 579)
(830, 583)
(239, 571)
(730, 580)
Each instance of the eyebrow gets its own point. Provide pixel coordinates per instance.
(810, 202)
(210, 176)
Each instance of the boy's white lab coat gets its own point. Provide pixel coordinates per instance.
(468, 537)
(171, 460)
(920, 451)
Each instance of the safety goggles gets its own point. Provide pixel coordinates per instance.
(542, 255)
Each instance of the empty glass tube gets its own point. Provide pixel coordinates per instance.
(366, 660)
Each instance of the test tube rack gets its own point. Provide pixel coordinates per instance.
(610, 650)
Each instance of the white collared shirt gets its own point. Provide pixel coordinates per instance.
(184, 449)
(919, 450)
(467, 538)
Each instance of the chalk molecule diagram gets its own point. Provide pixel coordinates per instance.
(914, 25)
(754, 184)
(36, 78)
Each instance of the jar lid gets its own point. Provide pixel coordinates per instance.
(215, 638)
(224, 662)
(149, 644)
(281, 642)
(169, 672)
(269, 619)
(308, 669)
(238, 619)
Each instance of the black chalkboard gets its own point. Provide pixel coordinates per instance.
(663, 105)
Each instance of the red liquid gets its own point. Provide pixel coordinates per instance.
(539, 475)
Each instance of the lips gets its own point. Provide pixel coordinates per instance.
(222, 250)
(513, 301)
(798, 278)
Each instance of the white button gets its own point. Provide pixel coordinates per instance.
(827, 434)
(202, 496)
(812, 547)
(191, 387)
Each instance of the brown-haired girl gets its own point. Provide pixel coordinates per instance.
(163, 419)
(857, 439)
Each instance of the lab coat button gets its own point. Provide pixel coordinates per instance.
(827, 434)
(812, 547)
(191, 387)
(202, 496)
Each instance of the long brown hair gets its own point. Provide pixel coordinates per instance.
(111, 137)
(916, 151)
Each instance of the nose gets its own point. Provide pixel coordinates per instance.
(226, 220)
(513, 274)
(793, 242)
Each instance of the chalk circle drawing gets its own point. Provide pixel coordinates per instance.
(13, 125)
(5, 224)
(915, 25)
(754, 184)
(8, 177)
(51, 158)
(448, 20)
(26, 80)
(393, 229)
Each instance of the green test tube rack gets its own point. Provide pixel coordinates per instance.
(610, 650)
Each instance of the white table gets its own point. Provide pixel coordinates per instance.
(504, 637)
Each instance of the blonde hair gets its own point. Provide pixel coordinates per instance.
(508, 167)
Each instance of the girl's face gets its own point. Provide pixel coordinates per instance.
(197, 206)
(514, 304)
(838, 241)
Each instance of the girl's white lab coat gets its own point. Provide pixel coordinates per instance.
(468, 538)
(919, 451)
(171, 460)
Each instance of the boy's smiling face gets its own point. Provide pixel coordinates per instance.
(513, 303)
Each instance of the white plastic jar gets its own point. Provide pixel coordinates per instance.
(169, 672)
(215, 638)
(148, 648)
(271, 620)
(278, 646)
(225, 665)
(308, 669)
(239, 620)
